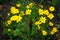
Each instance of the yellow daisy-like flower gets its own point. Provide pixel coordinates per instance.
(42, 19)
(21, 13)
(39, 27)
(46, 12)
(8, 22)
(14, 10)
(44, 32)
(37, 23)
(27, 6)
(9, 30)
(50, 23)
(28, 12)
(18, 5)
(40, 11)
(41, 6)
(16, 18)
(31, 4)
(51, 8)
(19, 18)
(51, 16)
(54, 30)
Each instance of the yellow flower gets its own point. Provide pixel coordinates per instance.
(19, 18)
(46, 12)
(44, 32)
(52, 33)
(37, 23)
(14, 10)
(8, 22)
(50, 23)
(51, 8)
(28, 12)
(54, 30)
(41, 6)
(18, 5)
(39, 27)
(31, 4)
(21, 13)
(27, 6)
(42, 20)
(40, 11)
(51, 16)
(9, 30)
(16, 18)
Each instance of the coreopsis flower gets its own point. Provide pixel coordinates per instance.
(21, 13)
(54, 30)
(14, 10)
(8, 22)
(18, 5)
(31, 4)
(9, 30)
(16, 18)
(27, 6)
(37, 23)
(51, 16)
(44, 32)
(46, 12)
(42, 19)
(51, 8)
(19, 18)
(28, 12)
(40, 11)
(50, 23)
(39, 27)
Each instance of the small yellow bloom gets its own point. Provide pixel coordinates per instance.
(27, 6)
(8, 22)
(41, 6)
(21, 13)
(51, 8)
(54, 29)
(9, 30)
(37, 23)
(52, 33)
(28, 12)
(39, 27)
(51, 16)
(18, 5)
(40, 11)
(42, 20)
(44, 32)
(46, 12)
(14, 10)
(50, 23)
(31, 4)
(16, 18)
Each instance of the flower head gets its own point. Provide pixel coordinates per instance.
(28, 12)
(51, 16)
(42, 19)
(50, 23)
(44, 32)
(14, 10)
(18, 5)
(51, 8)
(40, 11)
(46, 12)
